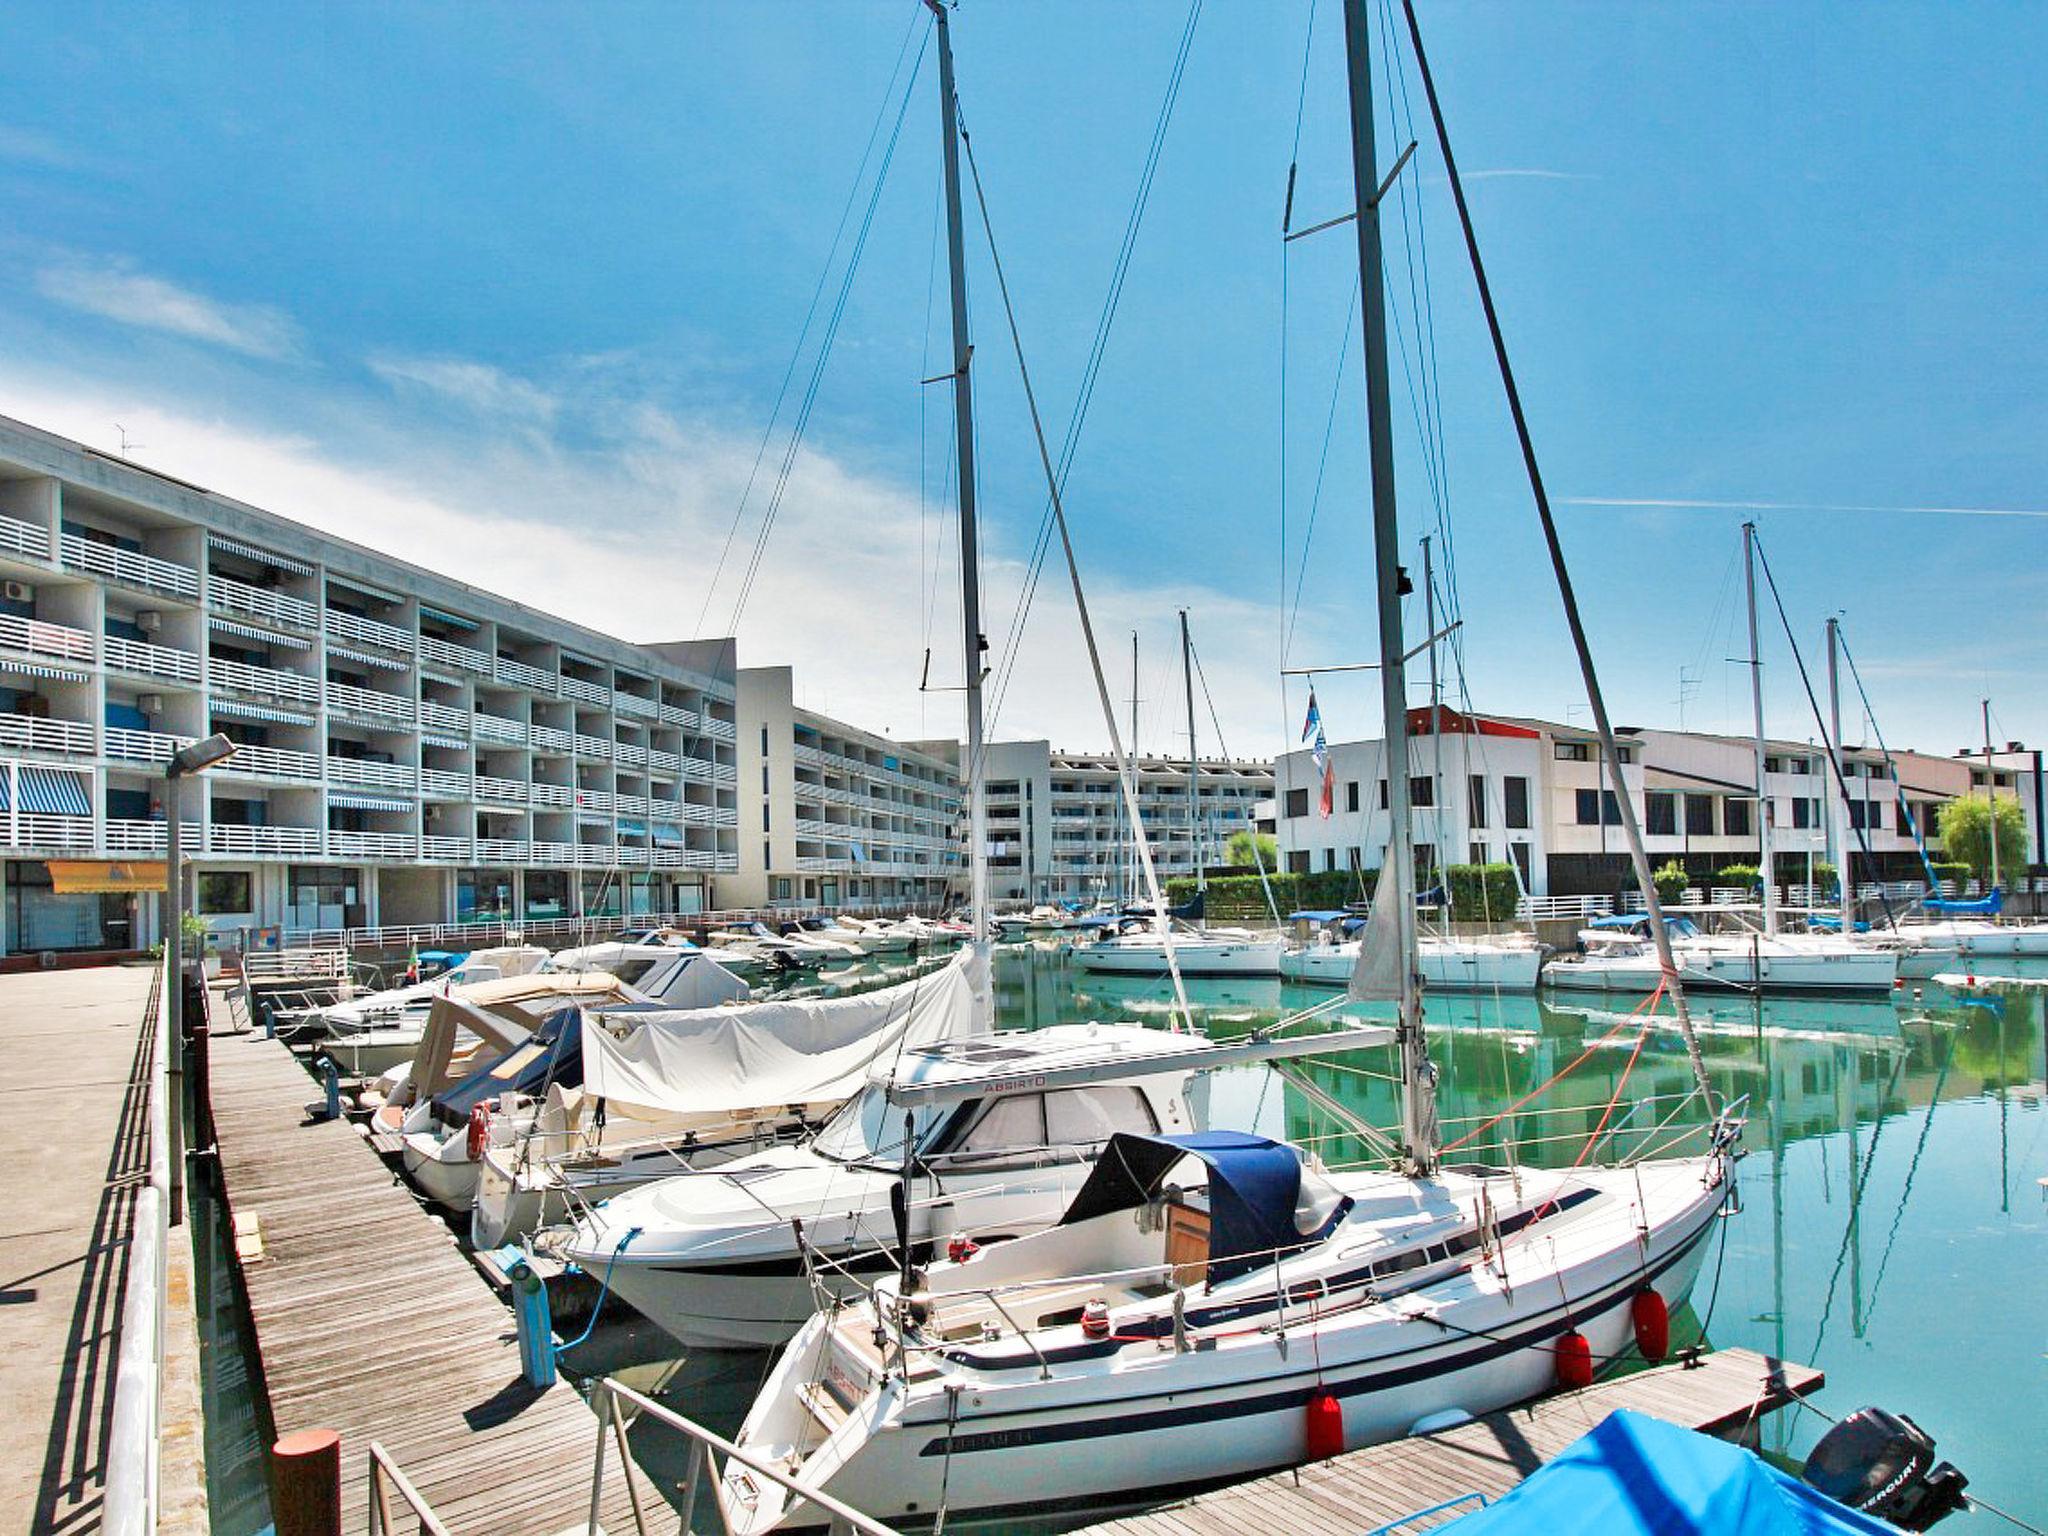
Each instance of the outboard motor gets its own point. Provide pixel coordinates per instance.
(1883, 1464)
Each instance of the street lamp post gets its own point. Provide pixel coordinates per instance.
(185, 762)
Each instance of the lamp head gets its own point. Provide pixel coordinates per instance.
(200, 756)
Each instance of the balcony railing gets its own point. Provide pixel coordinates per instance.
(550, 739)
(231, 596)
(460, 657)
(151, 660)
(439, 717)
(24, 539)
(439, 781)
(634, 756)
(355, 770)
(144, 836)
(364, 701)
(372, 845)
(498, 728)
(128, 567)
(553, 794)
(265, 682)
(513, 849)
(589, 693)
(633, 704)
(523, 676)
(503, 791)
(272, 763)
(457, 848)
(24, 733)
(304, 841)
(593, 746)
(142, 746)
(719, 730)
(553, 853)
(353, 626)
(43, 639)
(27, 831)
(597, 800)
(663, 762)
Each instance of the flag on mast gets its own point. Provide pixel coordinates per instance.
(1320, 751)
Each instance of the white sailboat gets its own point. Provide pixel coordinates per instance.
(1213, 1306)
(1497, 963)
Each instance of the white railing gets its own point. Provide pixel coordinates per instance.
(633, 704)
(724, 773)
(589, 693)
(498, 728)
(630, 805)
(272, 763)
(504, 791)
(142, 746)
(26, 733)
(233, 839)
(593, 746)
(365, 701)
(554, 853)
(35, 831)
(372, 845)
(460, 657)
(266, 682)
(675, 714)
(356, 770)
(457, 848)
(44, 639)
(439, 781)
(600, 800)
(553, 794)
(668, 856)
(631, 755)
(128, 567)
(439, 717)
(663, 762)
(231, 596)
(552, 739)
(144, 836)
(1534, 908)
(26, 539)
(501, 848)
(353, 626)
(719, 730)
(151, 660)
(519, 673)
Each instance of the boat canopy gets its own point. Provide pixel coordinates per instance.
(1255, 1192)
(1983, 906)
(1635, 1474)
(1320, 916)
(552, 1056)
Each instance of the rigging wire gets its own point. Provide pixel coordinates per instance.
(810, 313)
(1280, 784)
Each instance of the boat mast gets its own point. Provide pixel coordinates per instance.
(972, 642)
(1130, 877)
(1436, 706)
(1765, 858)
(1187, 679)
(1991, 794)
(1418, 1076)
(1838, 823)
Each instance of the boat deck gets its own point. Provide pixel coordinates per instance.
(370, 1321)
(1365, 1489)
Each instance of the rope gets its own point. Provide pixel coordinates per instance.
(1561, 1073)
(603, 1290)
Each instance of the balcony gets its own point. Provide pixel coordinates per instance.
(23, 540)
(439, 717)
(633, 704)
(520, 675)
(460, 658)
(372, 845)
(142, 746)
(593, 746)
(719, 730)
(589, 693)
(151, 660)
(554, 853)
(127, 567)
(352, 626)
(41, 639)
(500, 791)
(231, 596)
(629, 754)
(446, 848)
(356, 770)
(144, 836)
(553, 794)
(29, 831)
(664, 762)
(25, 733)
(366, 702)
(499, 729)
(271, 763)
(302, 841)
(444, 785)
(595, 801)
(263, 682)
(514, 850)
(548, 739)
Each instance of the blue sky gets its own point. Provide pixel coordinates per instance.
(513, 288)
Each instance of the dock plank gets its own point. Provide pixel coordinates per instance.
(371, 1321)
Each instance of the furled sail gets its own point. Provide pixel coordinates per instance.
(1377, 976)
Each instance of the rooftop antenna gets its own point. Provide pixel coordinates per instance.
(127, 442)
(1688, 690)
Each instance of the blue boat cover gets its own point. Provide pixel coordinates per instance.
(553, 1053)
(1254, 1183)
(1983, 906)
(1635, 1474)
(1318, 916)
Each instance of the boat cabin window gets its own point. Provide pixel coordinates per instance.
(632, 971)
(1066, 1117)
(869, 1128)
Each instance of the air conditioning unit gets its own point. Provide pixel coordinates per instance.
(149, 621)
(18, 592)
(150, 703)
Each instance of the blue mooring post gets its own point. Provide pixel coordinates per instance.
(331, 1076)
(535, 1324)
(269, 1019)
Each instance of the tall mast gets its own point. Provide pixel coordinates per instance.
(972, 642)
(1418, 1076)
(1765, 858)
(1991, 793)
(1438, 790)
(1137, 784)
(1838, 824)
(1187, 679)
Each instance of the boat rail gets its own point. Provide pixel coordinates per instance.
(383, 1470)
(133, 1450)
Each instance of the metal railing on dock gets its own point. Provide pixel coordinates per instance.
(135, 1439)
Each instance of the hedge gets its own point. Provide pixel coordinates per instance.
(1737, 874)
(1241, 898)
(1672, 882)
(1482, 893)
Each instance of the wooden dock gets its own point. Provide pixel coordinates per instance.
(1723, 1394)
(370, 1321)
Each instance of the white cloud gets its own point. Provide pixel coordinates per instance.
(117, 291)
(27, 146)
(486, 390)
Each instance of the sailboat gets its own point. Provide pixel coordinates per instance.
(1212, 1306)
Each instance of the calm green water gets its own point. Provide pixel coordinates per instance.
(1892, 1227)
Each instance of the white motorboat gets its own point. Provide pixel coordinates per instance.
(1003, 1131)
(1619, 956)
(1198, 1302)
(1507, 964)
(1135, 946)
(790, 949)
(664, 1092)
(411, 1002)
(869, 937)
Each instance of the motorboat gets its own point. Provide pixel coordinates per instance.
(663, 1091)
(1002, 1132)
(1200, 1298)
(797, 949)
(1619, 955)
(1507, 963)
(1136, 946)
(870, 938)
(408, 1003)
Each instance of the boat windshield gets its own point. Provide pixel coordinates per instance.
(868, 1128)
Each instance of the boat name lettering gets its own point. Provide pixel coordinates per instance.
(1012, 1084)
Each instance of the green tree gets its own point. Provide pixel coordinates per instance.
(1966, 835)
(1672, 882)
(1251, 850)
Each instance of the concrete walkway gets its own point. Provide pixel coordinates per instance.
(74, 1064)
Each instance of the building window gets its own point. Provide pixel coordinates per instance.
(1519, 852)
(764, 743)
(224, 893)
(1735, 817)
(764, 815)
(1660, 815)
(1699, 815)
(1477, 807)
(1351, 795)
(1329, 858)
(1421, 790)
(1297, 861)
(1357, 857)
(1383, 794)
(1297, 803)
(1624, 754)
(782, 887)
(1515, 799)
(1802, 814)
(1598, 807)
(767, 857)
(1574, 752)
(1478, 853)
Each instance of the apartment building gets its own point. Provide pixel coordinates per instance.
(2014, 772)
(1058, 830)
(837, 816)
(410, 749)
(1537, 794)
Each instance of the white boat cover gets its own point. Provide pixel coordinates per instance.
(659, 1065)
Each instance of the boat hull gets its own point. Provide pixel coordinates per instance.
(1448, 968)
(1835, 974)
(1207, 957)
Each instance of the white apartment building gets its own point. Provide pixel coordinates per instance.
(1058, 830)
(837, 816)
(1537, 794)
(2015, 773)
(411, 750)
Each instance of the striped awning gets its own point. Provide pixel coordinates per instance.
(34, 669)
(234, 709)
(261, 556)
(364, 658)
(632, 828)
(355, 801)
(251, 632)
(442, 616)
(455, 743)
(664, 833)
(44, 792)
(500, 810)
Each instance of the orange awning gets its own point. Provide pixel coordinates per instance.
(79, 877)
